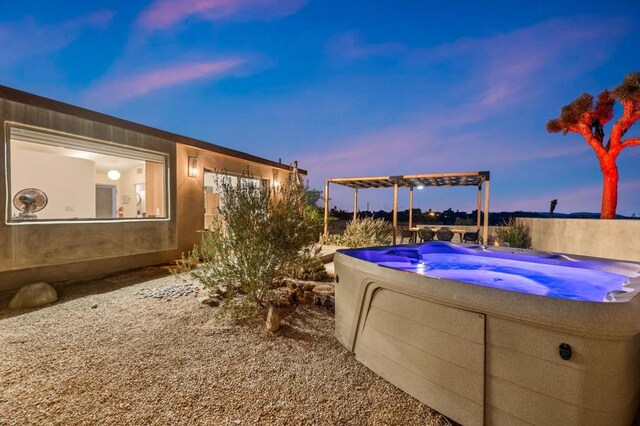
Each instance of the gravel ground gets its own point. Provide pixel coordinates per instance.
(104, 355)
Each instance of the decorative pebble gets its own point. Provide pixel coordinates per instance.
(168, 293)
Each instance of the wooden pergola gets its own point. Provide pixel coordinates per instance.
(478, 179)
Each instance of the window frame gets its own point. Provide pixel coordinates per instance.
(9, 220)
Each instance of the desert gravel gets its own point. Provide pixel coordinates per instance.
(104, 355)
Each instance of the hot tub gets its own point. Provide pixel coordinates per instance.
(496, 336)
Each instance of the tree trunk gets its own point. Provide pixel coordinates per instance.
(610, 189)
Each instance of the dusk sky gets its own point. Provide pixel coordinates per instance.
(350, 88)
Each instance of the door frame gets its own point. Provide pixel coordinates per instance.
(114, 196)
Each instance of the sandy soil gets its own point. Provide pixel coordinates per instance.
(102, 355)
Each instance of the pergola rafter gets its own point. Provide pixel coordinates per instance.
(478, 179)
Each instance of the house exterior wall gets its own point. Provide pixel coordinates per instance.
(191, 205)
(607, 238)
(64, 251)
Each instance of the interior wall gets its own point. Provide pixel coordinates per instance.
(69, 183)
(126, 197)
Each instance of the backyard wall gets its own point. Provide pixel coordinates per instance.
(613, 239)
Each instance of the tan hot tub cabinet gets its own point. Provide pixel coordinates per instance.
(482, 355)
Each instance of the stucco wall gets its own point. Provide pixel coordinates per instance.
(67, 251)
(613, 239)
(58, 252)
(191, 205)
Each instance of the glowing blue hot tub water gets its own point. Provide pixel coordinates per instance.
(549, 275)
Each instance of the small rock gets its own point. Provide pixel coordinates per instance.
(273, 319)
(306, 298)
(33, 295)
(330, 303)
(292, 285)
(95, 305)
(308, 287)
(211, 301)
(284, 301)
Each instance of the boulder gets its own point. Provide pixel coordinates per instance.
(33, 295)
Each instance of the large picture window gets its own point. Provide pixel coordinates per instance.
(54, 176)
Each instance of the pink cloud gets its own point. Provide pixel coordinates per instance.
(120, 89)
(27, 38)
(505, 67)
(165, 14)
(509, 67)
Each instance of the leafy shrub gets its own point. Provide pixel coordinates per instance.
(366, 232)
(515, 234)
(259, 233)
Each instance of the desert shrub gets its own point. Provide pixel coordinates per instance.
(365, 233)
(259, 233)
(515, 234)
(307, 266)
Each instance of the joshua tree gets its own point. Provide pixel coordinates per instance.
(582, 116)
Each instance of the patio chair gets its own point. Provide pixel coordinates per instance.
(426, 234)
(444, 234)
(405, 233)
(472, 237)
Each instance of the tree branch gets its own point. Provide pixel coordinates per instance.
(631, 142)
(591, 139)
(620, 127)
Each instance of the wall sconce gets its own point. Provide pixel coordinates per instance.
(193, 167)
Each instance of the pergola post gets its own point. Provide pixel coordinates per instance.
(479, 198)
(395, 212)
(485, 229)
(325, 236)
(410, 207)
(355, 204)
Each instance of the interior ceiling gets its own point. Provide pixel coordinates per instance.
(103, 163)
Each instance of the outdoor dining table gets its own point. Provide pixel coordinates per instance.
(415, 230)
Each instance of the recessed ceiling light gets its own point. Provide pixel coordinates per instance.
(113, 174)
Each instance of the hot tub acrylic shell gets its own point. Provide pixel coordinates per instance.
(482, 355)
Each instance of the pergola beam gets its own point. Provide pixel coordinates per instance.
(325, 236)
(485, 228)
(355, 204)
(395, 212)
(478, 179)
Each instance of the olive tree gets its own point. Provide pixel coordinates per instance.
(259, 234)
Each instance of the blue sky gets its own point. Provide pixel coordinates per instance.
(351, 88)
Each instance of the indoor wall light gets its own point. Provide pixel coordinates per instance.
(113, 174)
(193, 167)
